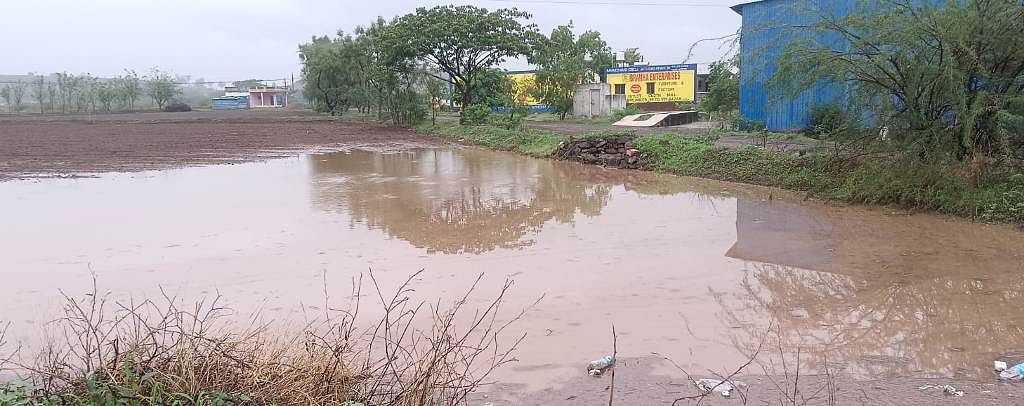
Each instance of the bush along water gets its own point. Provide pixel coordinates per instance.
(996, 196)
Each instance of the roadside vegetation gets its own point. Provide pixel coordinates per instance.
(934, 119)
(536, 143)
(167, 352)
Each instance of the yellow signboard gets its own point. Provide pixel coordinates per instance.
(523, 85)
(652, 84)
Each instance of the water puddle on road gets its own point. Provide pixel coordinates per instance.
(691, 269)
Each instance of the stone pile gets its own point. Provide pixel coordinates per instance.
(611, 151)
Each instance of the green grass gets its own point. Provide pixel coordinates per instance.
(530, 142)
(700, 157)
(997, 196)
(553, 118)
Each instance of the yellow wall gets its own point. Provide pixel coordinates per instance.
(522, 84)
(669, 85)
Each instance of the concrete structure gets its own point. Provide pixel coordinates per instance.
(230, 103)
(232, 91)
(268, 96)
(596, 100)
(658, 119)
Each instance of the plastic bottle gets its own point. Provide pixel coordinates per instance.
(598, 366)
(1014, 373)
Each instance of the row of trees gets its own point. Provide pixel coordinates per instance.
(404, 66)
(67, 93)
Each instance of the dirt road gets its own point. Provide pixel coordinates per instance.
(39, 146)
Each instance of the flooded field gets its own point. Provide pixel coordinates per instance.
(694, 270)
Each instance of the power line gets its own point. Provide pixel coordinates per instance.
(610, 3)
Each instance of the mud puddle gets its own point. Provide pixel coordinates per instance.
(693, 270)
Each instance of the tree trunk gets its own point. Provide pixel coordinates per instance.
(467, 100)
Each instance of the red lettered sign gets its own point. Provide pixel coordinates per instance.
(635, 88)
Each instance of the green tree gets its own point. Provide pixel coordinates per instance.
(437, 91)
(564, 62)
(333, 77)
(461, 41)
(160, 86)
(944, 78)
(5, 93)
(51, 93)
(490, 87)
(17, 91)
(366, 70)
(632, 55)
(106, 94)
(39, 91)
(65, 87)
(85, 97)
(723, 87)
(129, 89)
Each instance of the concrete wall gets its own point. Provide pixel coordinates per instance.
(267, 99)
(596, 100)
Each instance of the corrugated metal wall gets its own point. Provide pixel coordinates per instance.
(231, 103)
(767, 27)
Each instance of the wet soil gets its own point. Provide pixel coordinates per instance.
(637, 385)
(72, 146)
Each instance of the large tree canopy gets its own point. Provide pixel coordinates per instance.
(462, 41)
(332, 72)
(363, 70)
(723, 87)
(564, 61)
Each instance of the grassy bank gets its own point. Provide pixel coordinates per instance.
(526, 141)
(994, 196)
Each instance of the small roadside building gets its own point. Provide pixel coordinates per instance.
(268, 97)
(254, 97)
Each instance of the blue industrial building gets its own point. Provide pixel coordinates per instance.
(768, 26)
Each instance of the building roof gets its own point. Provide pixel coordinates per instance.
(739, 7)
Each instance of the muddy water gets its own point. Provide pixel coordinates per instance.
(691, 269)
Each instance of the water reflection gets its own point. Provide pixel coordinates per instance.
(458, 201)
(906, 296)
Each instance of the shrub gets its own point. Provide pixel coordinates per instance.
(628, 111)
(476, 114)
(686, 106)
(826, 120)
(512, 117)
(177, 107)
(168, 352)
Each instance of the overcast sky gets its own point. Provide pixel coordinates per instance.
(224, 40)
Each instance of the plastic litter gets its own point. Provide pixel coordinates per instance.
(599, 366)
(724, 388)
(1000, 366)
(1014, 373)
(949, 390)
